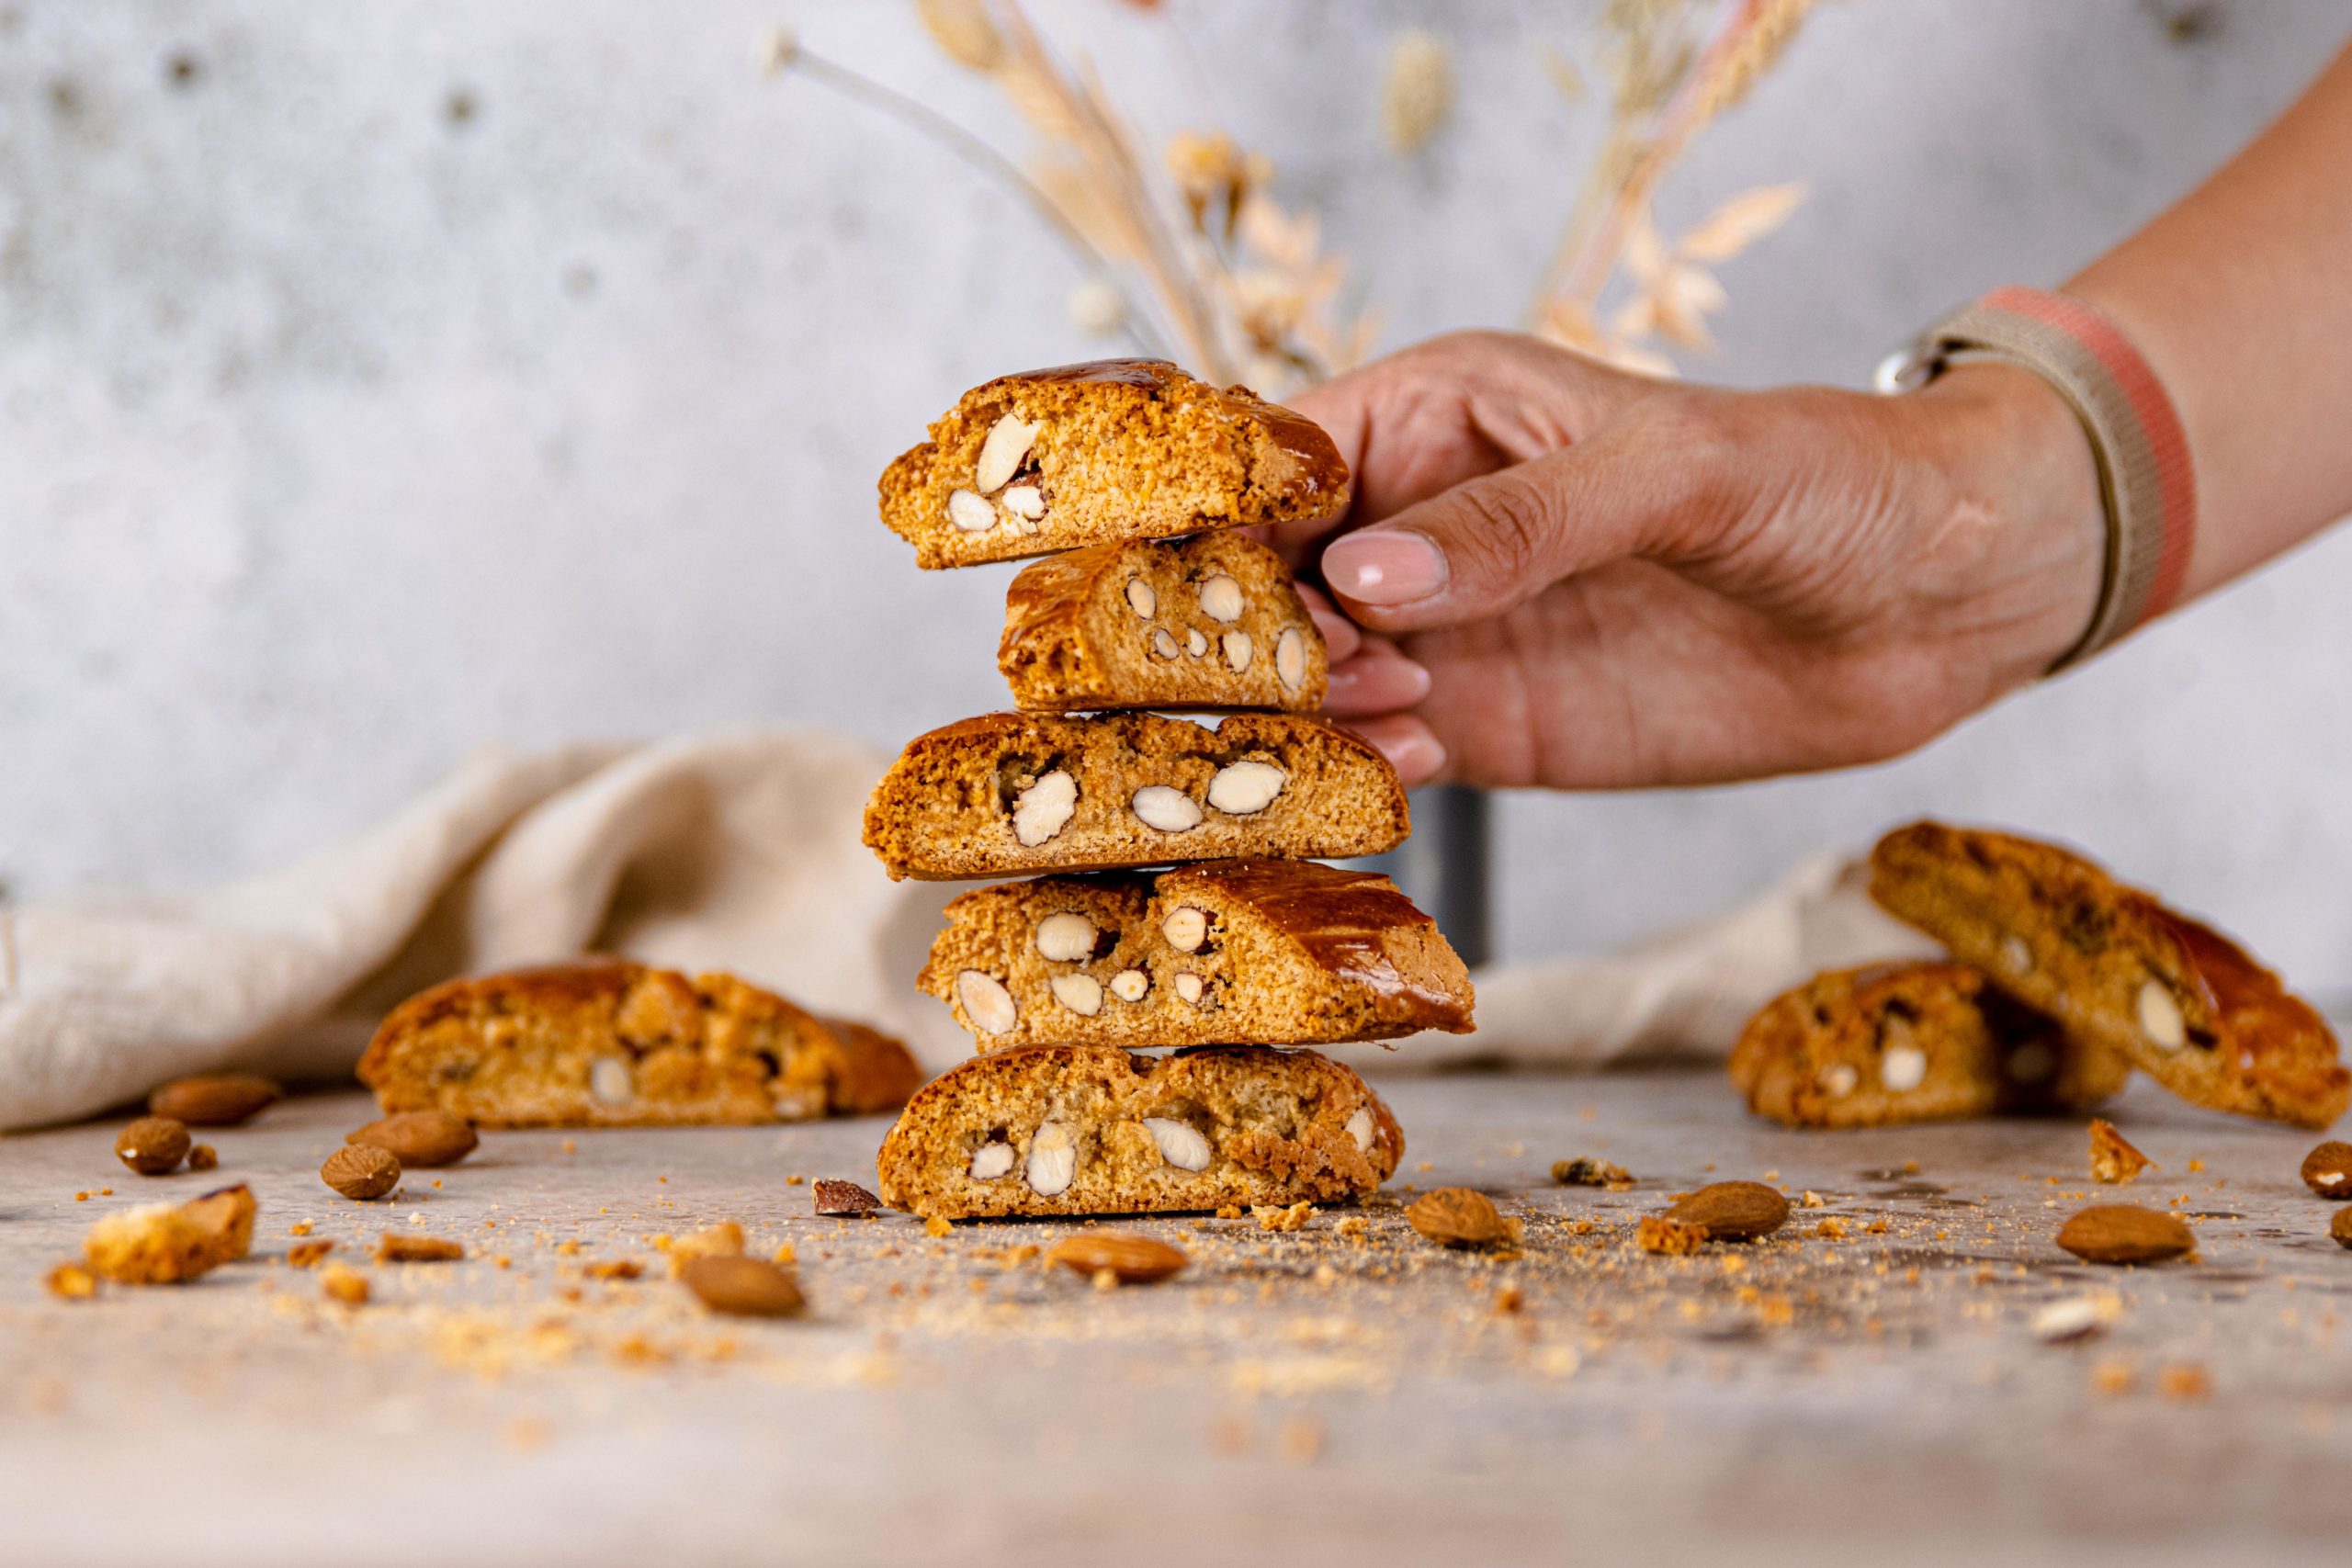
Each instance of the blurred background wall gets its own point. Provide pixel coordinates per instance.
(381, 381)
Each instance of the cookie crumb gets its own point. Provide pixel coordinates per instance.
(2113, 1159)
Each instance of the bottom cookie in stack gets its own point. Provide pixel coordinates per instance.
(1085, 1129)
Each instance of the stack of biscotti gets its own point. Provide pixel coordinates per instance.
(2061, 980)
(1175, 897)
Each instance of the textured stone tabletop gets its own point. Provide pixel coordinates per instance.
(1307, 1397)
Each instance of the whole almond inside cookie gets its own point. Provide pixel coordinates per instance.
(420, 1137)
(1732, 1210)
(2125, 1233)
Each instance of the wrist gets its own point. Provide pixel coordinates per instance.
(2022, 469)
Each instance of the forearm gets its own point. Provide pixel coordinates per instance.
(2238, 298)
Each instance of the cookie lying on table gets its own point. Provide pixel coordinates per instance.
(1008, 792)
(1209, 622)
(1230, 952)
(1073, 1130)
(2183, 1002)
(1901, 1042)
(617, 1044)
(1113, 449)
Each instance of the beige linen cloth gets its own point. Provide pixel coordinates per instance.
(737, 851)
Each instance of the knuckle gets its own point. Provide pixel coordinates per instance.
(1505, 525)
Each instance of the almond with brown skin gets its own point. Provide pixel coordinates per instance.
(2340, 1227)
(2125, 1233)
(203, 1156)
(361, 1171)
(2327, 1169)
(1732, 1210)
(213, 1099)
(393, 1246)
(420, 1138)
(744, 1287)
(1129, 1259)
(152, 1144)
(842, 1198)
(1456, 1216)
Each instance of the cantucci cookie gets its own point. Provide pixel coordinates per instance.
(1113, 449)
(2183, 1002)
(1008, 792)
(618, 1044)
(1912, 1043)
(1074, 1129)
(1233, 952)
(1209, 622)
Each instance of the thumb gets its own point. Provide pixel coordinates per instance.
(1646, 486)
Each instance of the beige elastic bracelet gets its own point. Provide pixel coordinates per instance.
(2147, 488)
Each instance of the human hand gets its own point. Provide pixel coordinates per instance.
(1557, 573)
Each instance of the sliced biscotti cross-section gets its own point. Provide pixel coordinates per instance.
(1879, 1046)
(1209, 622)
(1007, 793)
(2183, 1002)
(618, 1044)
(1230, 952)
(1074, 1129)
(1113, 449)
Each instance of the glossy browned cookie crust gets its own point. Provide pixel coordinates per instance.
(1009, 793)
(1110, 449)
(2183, 1002)
(1232, 951)
(1078, 1130)
(1209, 622)
(1892, 1043)
(609, 1042)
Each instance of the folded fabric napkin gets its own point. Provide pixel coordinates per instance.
(738, 851)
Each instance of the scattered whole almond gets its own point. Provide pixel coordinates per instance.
(203, 1156)
(2340, 1227)
(842, 1198)
(420, 1138)
(361, 1171)
(2125, 1233)
(743, 1287)
(1456, 1216)
(1669, 1237)
(2327, 1169)
(396, 1247)
(152, 1144)
(213, 1099)
(1732, 1210)
(1129, 1259)
(1585, 1171)
(2114, 1161)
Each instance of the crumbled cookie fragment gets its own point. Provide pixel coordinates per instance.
(395, 1246)
(1282, 1217)
(2113, 1159)
(1585, 1171)
(203, 1156)
(1669, 1237)
(339, 1284)
(614, 1268)
(305, 1254)
(2184, 1383)
(724, 1239)
(160, 1243)
(71, 1281)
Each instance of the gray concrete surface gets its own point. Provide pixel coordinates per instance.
(1303, 1398)
(375, 382)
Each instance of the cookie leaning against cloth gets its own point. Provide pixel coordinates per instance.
(1072, 1130)
(1113, 449)
(1008, 792)
(1894, 1044)
(1224, 952)
(2183, 1002)
(1209, 622)
(618, 1044)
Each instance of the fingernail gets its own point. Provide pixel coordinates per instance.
(1416, 753)
(1378, 686)
(1339, 634)
(1384, 566)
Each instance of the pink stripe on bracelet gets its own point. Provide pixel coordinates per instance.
(2168, 441)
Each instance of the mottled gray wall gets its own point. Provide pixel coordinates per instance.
(380, 380)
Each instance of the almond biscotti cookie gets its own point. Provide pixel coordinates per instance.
(1879, 1046)
(613, 1043)
(1075, 1130)
(1209, 622)
(1007, 793)
(1113, 449)
(1231, 952)
(2183, 1002)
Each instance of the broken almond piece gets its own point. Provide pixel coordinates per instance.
(2113, 1160)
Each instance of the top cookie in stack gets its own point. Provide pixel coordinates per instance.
(1134, 474)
